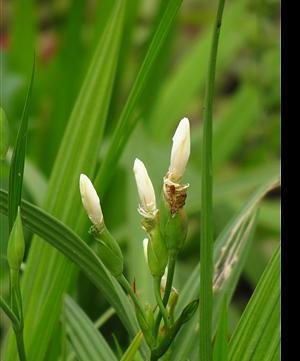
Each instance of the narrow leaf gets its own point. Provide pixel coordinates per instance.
(256, 336)
(220, 351)
(18, 159)
(86, 340)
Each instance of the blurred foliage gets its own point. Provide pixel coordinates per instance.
(63, 35)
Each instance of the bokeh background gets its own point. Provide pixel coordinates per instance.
(63, 34)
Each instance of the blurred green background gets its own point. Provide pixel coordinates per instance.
(63, 34)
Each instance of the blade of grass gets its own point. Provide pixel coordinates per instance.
(67, 75)
(47, 272)
(257, 334)
(206, 243)
(220, 352)
(18, 158)
(128, 118)
(86, 340)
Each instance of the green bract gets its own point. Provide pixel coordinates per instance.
(175, 230)
(157, 252)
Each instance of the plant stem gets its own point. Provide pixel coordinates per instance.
(9, 313)
(156, 284)
(20, 344)
(122, 279)
(17, 309)
(206, 244)
(170, 276)
(104, 317)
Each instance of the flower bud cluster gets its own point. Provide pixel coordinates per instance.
(172, 227)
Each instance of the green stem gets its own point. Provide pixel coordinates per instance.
(170, 276)
(156, 284)
(17, 308)
(163, 347)
(8, 311)
(104, 317)
(206, 244)
(20, 344)
(122, 279)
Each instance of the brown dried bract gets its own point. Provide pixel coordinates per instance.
(175, 196)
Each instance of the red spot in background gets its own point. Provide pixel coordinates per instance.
(48, 46)
(4, 41)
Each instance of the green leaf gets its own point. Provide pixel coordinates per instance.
(128, 118)
(238, 232)
(48, 273)
(18, 159)
(34, 182)
(257, 334)
(86, 340)
(66, 79)
(133, 348)
(72, 246)
(220, 351)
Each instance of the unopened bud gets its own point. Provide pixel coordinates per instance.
(188, 312)
(16, 244)
(180, 150)
(91, 201)
(147, 207)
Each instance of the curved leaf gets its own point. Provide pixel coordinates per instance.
(86, 340)
(72, 246)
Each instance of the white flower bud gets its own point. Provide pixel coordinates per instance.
(147, 207)
(90, 201)
(180, 150)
